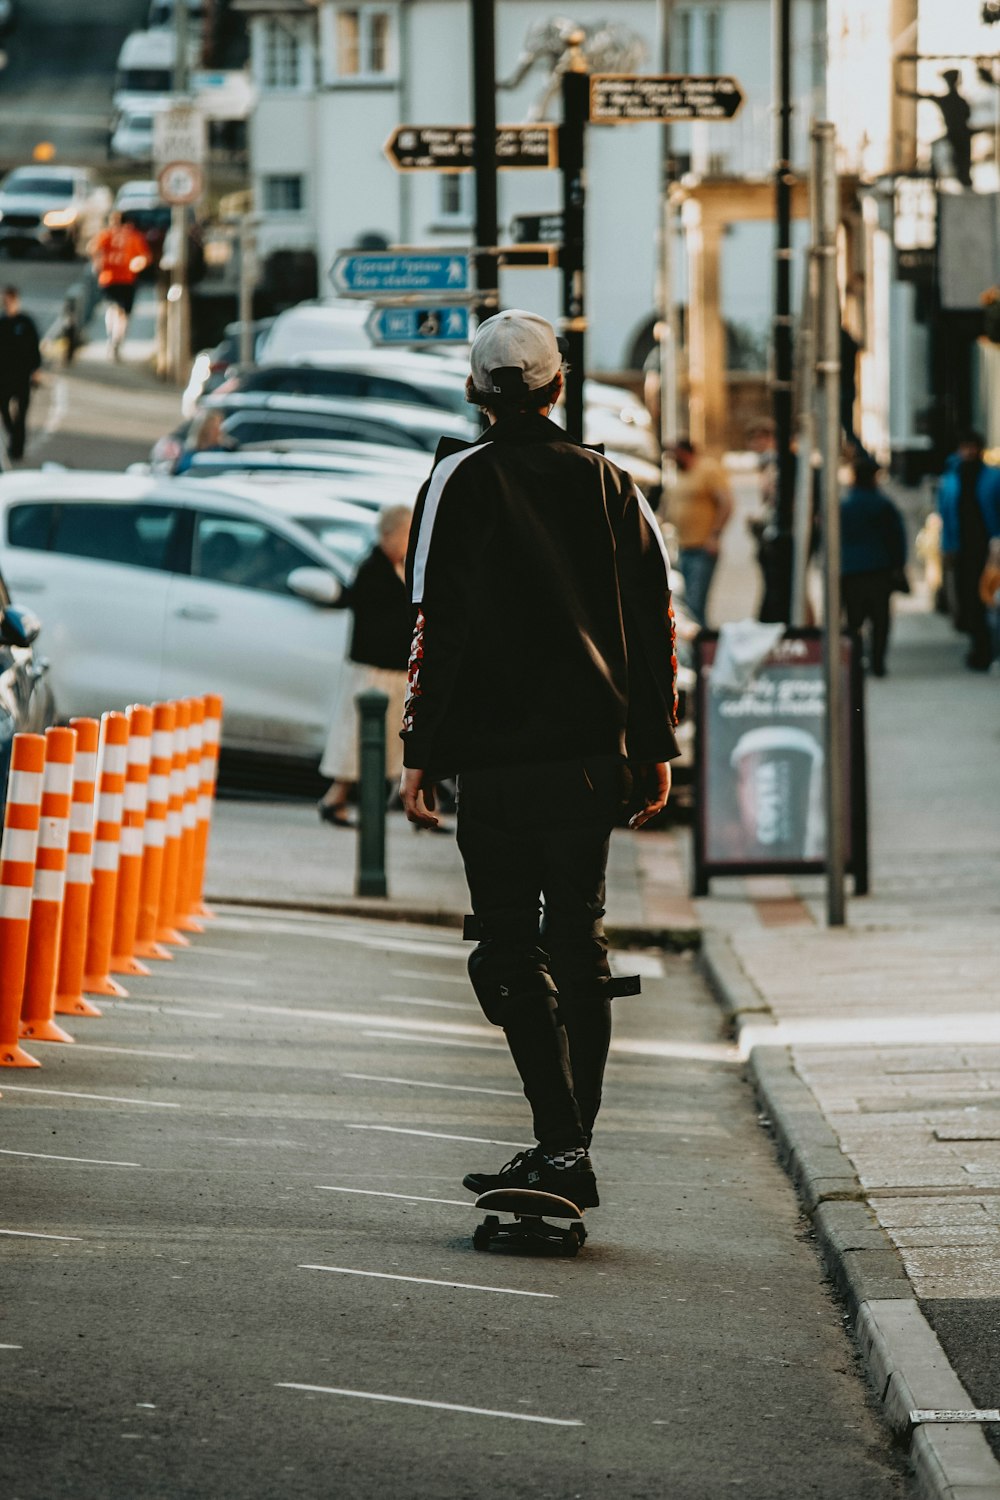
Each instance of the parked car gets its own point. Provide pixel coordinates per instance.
(139, 203)
(210, 366)
(51, 208)
(346, 461)
(202, 587)
(132, 135)
(332, 324)
(26, 701)
(145, 71)
(372, 492)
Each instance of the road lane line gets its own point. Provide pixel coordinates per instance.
(200, 949)
(126, 1051)
(436, 1041)
(27, 1234)
(474, 1411)
(222, 979)
(156, 1008)
(419, 1000)
(457, 1088)
(473, 1140)
(24, 1088)
(11, 1346)
(431, 978)
(405, 1197)
(93, 1161)
(461, 1286)
(414, 948)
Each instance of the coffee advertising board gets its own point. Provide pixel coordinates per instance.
(760, 803)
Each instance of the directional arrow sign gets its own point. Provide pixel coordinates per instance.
(418, 325)
(621, 98)
(449, 148)
(529, 229)
(373, 273)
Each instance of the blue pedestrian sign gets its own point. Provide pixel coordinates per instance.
(373, 273)
(419, 325)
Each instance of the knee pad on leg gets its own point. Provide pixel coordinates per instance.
(509, 980)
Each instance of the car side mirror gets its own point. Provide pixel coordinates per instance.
(315, 584)
(18, 627)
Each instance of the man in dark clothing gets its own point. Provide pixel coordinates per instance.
(956, 114)
(969, 505)
(20, 361)
(542, 671)
(873, 555)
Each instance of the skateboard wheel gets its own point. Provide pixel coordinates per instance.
(481, 1237)
(571, 1242)
(491, 1224)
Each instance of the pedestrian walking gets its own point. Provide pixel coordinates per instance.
(698, 507)
(20, 362)
(969, 505)
(542, 672)
(381, 632)
(872, 560)
(120, 254)
(989, 593)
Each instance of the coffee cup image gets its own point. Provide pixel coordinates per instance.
(776, 780)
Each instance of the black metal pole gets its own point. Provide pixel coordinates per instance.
(778, 580)
(572, 154)
(484, 119)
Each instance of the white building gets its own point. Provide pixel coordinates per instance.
(335, 80)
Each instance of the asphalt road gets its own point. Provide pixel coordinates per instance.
(238, 1254)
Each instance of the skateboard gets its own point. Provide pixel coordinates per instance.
(529, 1228)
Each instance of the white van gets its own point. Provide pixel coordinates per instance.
(145, 76)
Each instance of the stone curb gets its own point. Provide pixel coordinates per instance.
(623, 936)
(903, 1358)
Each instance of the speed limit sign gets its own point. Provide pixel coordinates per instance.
(181, 182)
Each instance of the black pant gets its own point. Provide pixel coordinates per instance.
(14, 415)
(866, 598)
(528, 834)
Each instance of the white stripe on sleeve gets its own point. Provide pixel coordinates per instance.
(439, 479)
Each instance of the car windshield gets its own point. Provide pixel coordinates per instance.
(348, 539)
(50, 187)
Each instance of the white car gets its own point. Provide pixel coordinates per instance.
(54, 208)
(162, 588)
(132, 136)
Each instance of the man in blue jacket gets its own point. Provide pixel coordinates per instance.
(873, 553)
(969, 505)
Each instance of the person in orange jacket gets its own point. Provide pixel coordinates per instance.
(120, 254)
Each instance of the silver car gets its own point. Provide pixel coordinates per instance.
(57, 209)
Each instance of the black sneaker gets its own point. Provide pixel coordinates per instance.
(529, 1169)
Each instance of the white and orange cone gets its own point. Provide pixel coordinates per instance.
(70, 999)
(206, 796)
(39, 998)
(112, 764)
(17, 873)
(155, 833)
(187, 870)
(166, 931)
(130, 849)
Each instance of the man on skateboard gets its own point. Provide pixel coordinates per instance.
(542, 673)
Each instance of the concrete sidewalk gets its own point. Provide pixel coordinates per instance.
(876, 1053)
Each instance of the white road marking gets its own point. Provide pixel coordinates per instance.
(475, 1411)
(436, 1041)
(457, 1088)
(437, 1135)
(462, 1286)
(199, 979)
(720, 1052)
(127, 1051)
(198, 948)
(11, 1346)
(405, 1197)
(174, 1010)
(27, 1234)
(431, 978)
(23, 1088)
(419, 1000)
(94, 1161)
(324, 927)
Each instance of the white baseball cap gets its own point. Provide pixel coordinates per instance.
(514, 352)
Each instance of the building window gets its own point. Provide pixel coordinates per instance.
(455, 191)
(363, 41)
(283, 195)
(713, 30)
(681, 63)
(280, 60)
(697, 41)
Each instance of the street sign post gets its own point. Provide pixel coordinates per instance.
(181, 182)
(179, 135)
(418, 325)
(625, 98)
(378, 273)
(451, 148)
(532, 229)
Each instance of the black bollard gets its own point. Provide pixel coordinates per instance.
(372, 707)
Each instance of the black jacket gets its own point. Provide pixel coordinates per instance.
(383, 615)
(19, 353)
(544, 629)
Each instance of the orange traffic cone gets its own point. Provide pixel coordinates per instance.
(189, 821)
(206, 795)
(112, 763)
(166, 931)
(70, 1000)
(17, 872)
(39, 998)
(155, 833)
(124, 928)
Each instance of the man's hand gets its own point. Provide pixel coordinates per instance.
(418, 798)
(653, 784)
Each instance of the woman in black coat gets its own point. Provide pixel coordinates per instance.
(378, 658)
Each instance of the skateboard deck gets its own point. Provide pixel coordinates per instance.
(528, 1228)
